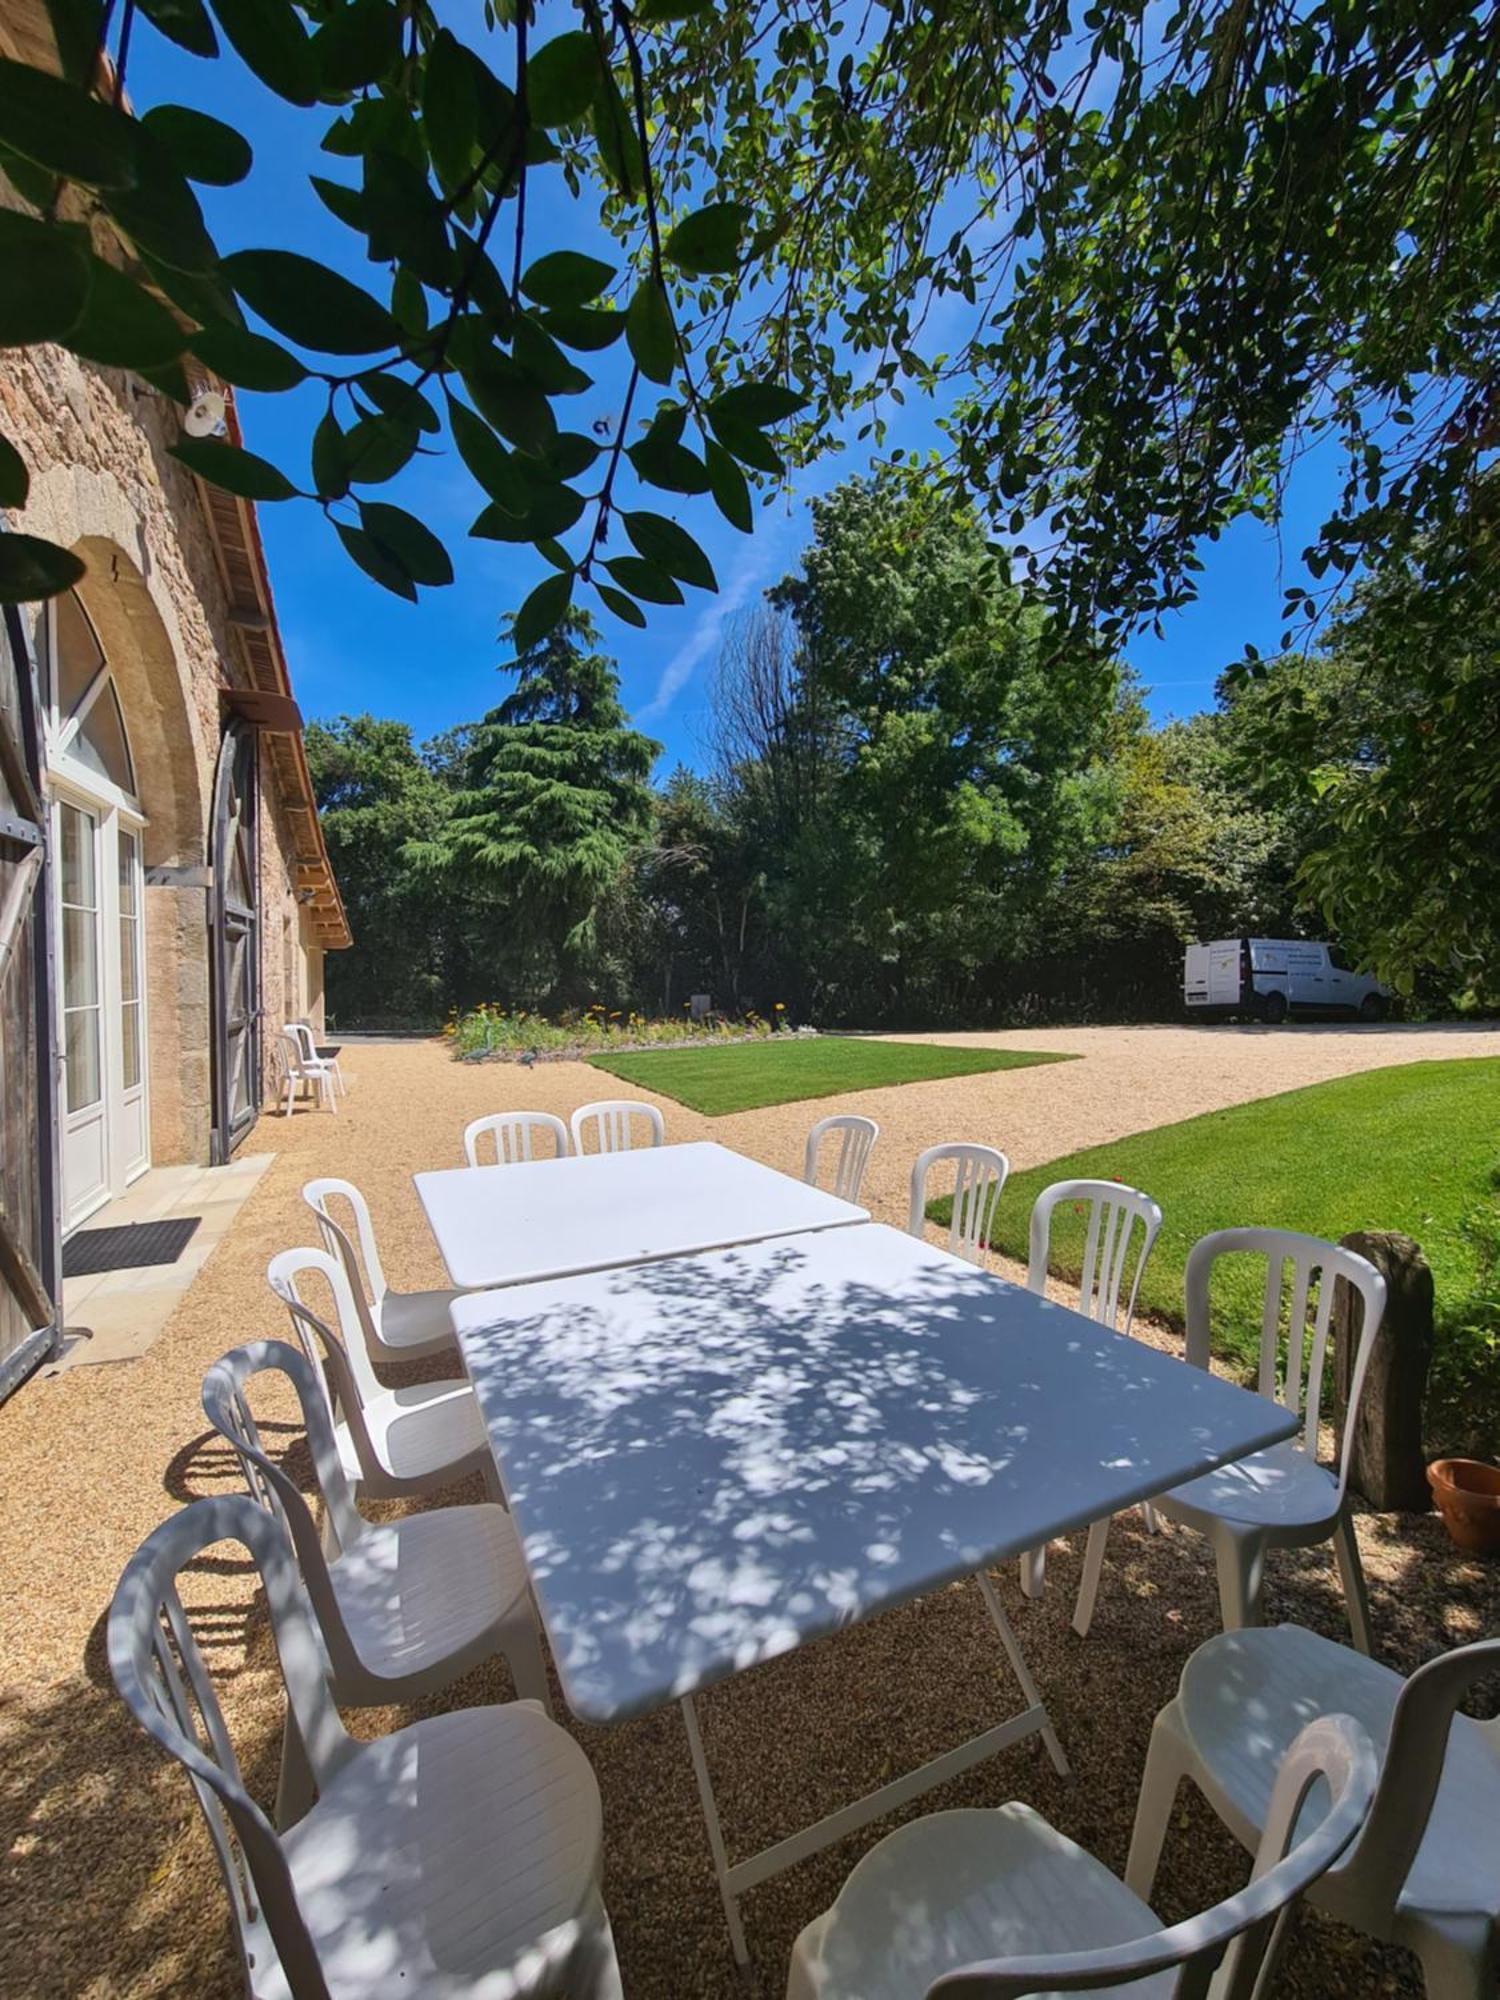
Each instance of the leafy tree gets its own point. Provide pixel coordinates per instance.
(377, 794)
(555, 798)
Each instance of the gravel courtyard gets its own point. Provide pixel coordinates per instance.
(109, 1884)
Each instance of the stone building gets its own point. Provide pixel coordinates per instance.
(187, 893)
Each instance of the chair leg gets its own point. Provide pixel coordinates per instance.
(1034, 1571)
(521, 1643)
(1093, 1565)
(1241, 1560)
(295, 1788)
(1352, 1576)
(1460, 1961)
(1167, 1764)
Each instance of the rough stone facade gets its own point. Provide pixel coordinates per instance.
(157, 592)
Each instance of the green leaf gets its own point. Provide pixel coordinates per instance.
(658, 13)
(571, 453)
(203, 295)
(270, 39)
(15, 480)
(77, 27)
(649, 331)
(663, 460)
(377, 448)
(31, 569)
(309, 303)
(539, 355)
(247, 359)
(402, 400)
(621, 605)
(509, 402)
(410, 541)
(577, 326)
(376, 562)
(644, 579)
(550, 510)
(709, 241)
(184, 22)
(450, 110)
(171, 379)
(330, 467)
(236, 470)
(357, 46)
(409, 302)
(347, 204)
(48, 271)
(562, 78)
(63, 128)
(744, 442)
(542, 612)
(405, 219)
(729, 488)
(618, 141)
(202, 148)
(758, 404)
(160, 214)
(124, 327)
(566, 278)
(671, 548)
(488, 460)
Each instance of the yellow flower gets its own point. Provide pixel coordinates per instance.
(781, 1006)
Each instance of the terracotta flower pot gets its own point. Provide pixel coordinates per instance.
(1467, 1492)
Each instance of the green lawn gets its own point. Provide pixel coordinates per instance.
(747, 1076)
(1415, 1148)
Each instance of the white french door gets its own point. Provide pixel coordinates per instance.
(106, 1121)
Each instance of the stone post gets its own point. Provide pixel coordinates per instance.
(1388, 1465)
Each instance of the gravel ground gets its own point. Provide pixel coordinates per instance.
(110, 1886)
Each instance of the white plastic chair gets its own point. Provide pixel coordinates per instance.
(512, 1133)
(856, 1137)
(993, 1904)
(1425, 1872)
(458, 1858)
(398, 1326)
(304, 1071)
(980, 1174)
(611, 1119)
(1118, 1217)
(304, 1033)
(396, 1443)
(1280, 1497)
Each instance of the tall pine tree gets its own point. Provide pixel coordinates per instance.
(556, 797)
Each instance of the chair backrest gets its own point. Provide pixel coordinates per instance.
(321, 1197)
(611, 1120)
(342, 1356)
(979, 1174)
(226, 1407)
(299, 1059)
(1219, 1955)
(303, 1031)
(162, 1680)
(512, 1133)
(1114, 1211)
(856, 1137)
(1315, 1268)
(1413, 1767)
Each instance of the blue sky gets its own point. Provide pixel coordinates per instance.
(353, 646)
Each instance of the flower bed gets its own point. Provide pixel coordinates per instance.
(495, 1034)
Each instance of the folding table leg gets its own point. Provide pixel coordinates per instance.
(1022, 1672)
(715, 1834)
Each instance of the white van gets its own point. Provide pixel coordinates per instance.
(1265, 979)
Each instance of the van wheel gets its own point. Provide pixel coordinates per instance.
(1372, 1007)
(1273, 1013)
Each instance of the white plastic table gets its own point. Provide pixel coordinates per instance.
(715, 1459)
(544, 1218)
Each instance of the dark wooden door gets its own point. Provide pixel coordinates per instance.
(235, 942)
(29, 1241)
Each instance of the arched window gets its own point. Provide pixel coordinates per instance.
(88, 728)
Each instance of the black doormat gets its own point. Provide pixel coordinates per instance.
(127, 1246)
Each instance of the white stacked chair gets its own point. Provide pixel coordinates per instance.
(1425, 1872)
(1280, 1497)
(303, 1031)
(398, 1326)
(612, 1120)
(458, 1858)
(304, 1070)
(1123, 1224)
(994, 1904)
(513, 1134)
(980, 1173)
(395, 1443)
(856, 1136)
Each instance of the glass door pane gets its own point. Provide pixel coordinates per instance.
(80, 955)
(130, 960)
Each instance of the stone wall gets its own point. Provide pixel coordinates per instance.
(96, 442)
